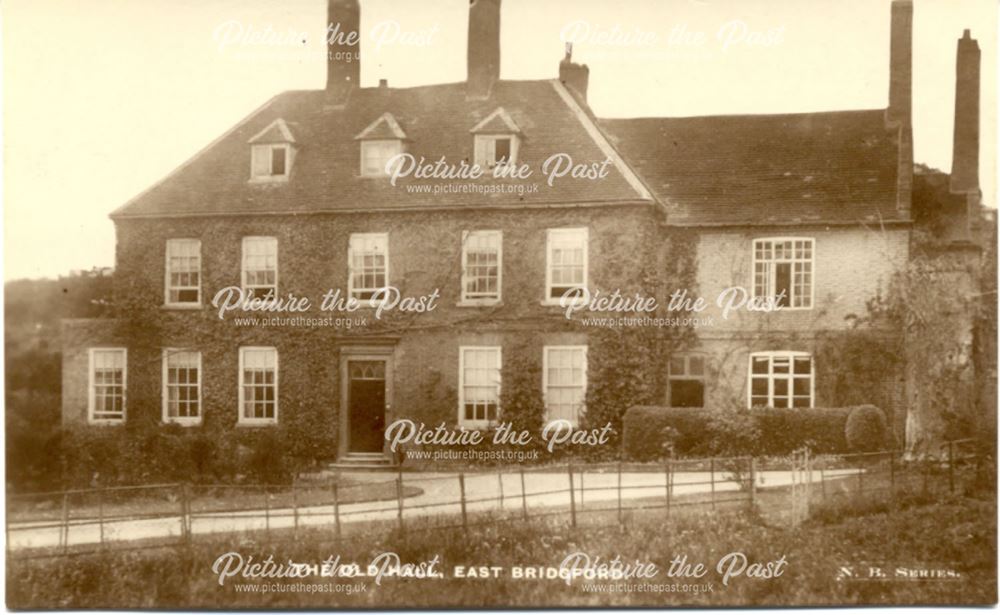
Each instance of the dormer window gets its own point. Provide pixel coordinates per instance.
(270, 162)
(375, 156)
(496, 140)
(272, 151)
(380, 142)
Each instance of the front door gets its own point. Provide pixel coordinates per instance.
(366, 405)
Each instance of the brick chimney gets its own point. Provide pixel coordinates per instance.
(343, 38)
(899, 113)
(572, 75)
(901, 63)
(965, 150)
(483, 47)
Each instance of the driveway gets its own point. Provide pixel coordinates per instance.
(441, 496)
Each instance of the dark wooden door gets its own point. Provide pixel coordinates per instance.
(366, 402)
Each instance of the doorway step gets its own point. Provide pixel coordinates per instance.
(364, 462)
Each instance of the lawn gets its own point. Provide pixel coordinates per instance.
(167, 500)
(955, 537)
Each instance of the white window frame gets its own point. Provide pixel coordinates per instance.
(384, 237)
(770, 281)
(470, 423)
(467, 236)
(243, 262)
(549, 236)
(166, 282)
(267, 149)
(791, 355)
(180, 420)
(365, 145)
(545, 380)
(254, 421)
(484, 146)
(91, 385)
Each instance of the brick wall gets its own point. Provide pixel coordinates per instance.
(424, 255)
(78, 336)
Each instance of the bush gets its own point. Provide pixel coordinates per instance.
(146, 451)
(785, 430)
(656, 432)
(866, 429)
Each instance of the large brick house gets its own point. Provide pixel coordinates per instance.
(811, 208)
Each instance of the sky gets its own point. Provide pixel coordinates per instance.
(102, 98)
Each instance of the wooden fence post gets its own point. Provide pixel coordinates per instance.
(524, 497)
(822, 483)
(399, 500)
(336, 510)
(185, 513)
(619, 493)
(711, 470)
(65, 523)
(572, 497)
(753, 482)
(295, 508)
(666, 476)
(461, 487)
(100, 514)
(500, 484)
(267, 512)
(951, 466)
(892, 474)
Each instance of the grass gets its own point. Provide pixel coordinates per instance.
(167, 500)
(957, 533)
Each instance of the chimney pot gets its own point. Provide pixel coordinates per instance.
(383, 83)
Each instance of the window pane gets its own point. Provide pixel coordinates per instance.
(687, 393)
(501, 150)
(278, 160)
(784, 265)
(480, 381)
(783, 284)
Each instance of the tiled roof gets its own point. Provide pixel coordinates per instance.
(831, 167)
(437, 120)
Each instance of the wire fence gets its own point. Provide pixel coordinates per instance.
(787, 489)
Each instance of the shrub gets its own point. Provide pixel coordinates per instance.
(866, 429)
(653, 432)
(733, 432)
(785, 430)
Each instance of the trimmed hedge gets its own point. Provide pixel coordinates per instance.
(655, 432)
(867, 429)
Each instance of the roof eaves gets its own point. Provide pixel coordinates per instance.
(602, 142)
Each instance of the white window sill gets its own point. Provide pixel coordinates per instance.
(558, 303)
(183, 422)
(269, 179)
(368, 304)
(242, 422)
(788, 309)
(479, 303)
(120, 421)
(182, 306)
(476, 425)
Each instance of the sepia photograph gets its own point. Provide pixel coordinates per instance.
(499, 304)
